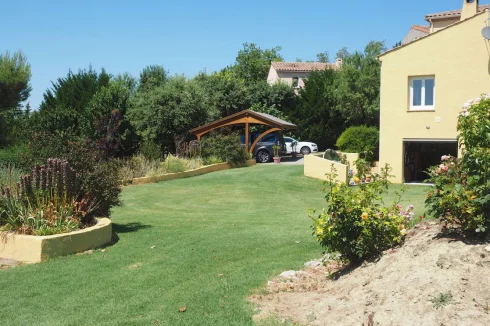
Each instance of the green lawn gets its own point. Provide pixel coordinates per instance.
(204, 243)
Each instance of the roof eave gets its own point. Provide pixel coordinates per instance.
(429, 35)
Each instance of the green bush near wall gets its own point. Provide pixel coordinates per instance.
(359, 139)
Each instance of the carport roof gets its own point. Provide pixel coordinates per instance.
(244, 117)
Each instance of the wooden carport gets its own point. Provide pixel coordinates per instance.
(246, 118)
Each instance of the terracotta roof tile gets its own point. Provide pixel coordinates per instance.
(302, 66)
(420, 28)
(451, 13)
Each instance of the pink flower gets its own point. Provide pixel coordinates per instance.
(438, 171)
(446, 168)
(441, 166)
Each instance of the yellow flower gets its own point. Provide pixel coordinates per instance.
(403, 232)
(401, 227)
(364, 216)
(321, 221)
(319, 230)
(473, 197)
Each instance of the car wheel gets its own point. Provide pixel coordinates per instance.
(305, 150)
(263, 156)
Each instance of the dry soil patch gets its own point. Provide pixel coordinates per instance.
(429, 281)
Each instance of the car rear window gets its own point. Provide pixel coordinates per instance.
(269, 138)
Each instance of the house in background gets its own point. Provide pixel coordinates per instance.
(424, 85)
(294, 73)
(444, 19)
(416, 32)
(436, 22)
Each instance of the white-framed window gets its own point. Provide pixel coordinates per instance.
(422, 93)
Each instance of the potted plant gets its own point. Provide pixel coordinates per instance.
(277, 158)
(293, 148)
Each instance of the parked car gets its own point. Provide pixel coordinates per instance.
(303, 147)
(263, 152)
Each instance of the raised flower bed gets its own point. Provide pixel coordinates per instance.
(34, 249)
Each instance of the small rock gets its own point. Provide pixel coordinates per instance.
(288, 274)
(313, 263)
(487, 248)
(153, 247)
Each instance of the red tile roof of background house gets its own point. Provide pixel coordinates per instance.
(302, 66)
(451, 13)
(420, 28)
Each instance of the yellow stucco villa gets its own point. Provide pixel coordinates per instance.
(424, 85)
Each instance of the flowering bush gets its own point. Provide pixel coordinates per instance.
(47, 201)
(355, 224)
(461, 192)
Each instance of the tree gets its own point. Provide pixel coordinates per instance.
(152, 77)
(253, 63)
(65, 106)
(323, 57)
(359, 85)
(106, 122)
(15, 74)
(316, 114)
(170, 110)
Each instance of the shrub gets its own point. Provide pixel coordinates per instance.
(9, 174)
(151, 150)
(355, 225)
(18, 156)
(209, 160)
(99, 177)
(50, 200)
(360, 139)
(139, 166)
(461, 192)
(226, 148)
(175, 164)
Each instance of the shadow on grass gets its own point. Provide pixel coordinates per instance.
(129, 227)
(125, 228)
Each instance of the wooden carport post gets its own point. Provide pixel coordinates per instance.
(246, 137)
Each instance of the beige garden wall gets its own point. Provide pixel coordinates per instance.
(317, 167)
(191, 173)
(34, 249)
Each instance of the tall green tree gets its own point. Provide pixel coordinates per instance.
(152, 77)
(253, 64)
(64, 108)
(162, 113)
(15, 76)
(316, 114)
(359, 85)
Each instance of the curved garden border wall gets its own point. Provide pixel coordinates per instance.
(34, 249)
(191, 173)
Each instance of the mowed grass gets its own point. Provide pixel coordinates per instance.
(204, 243)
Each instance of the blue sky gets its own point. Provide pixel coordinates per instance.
(190, 36)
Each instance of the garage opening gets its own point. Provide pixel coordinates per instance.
(420, 155)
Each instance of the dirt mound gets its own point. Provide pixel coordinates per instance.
(428, 281)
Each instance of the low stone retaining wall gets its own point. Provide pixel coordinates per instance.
(317, 167)
(34, 249)
(191, 173)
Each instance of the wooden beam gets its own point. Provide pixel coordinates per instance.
(249, 120)
(246, 136)
(265, 133)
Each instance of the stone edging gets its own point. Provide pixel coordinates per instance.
(191, 173)
(34, 249)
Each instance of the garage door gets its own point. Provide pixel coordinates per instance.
(421, 154)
